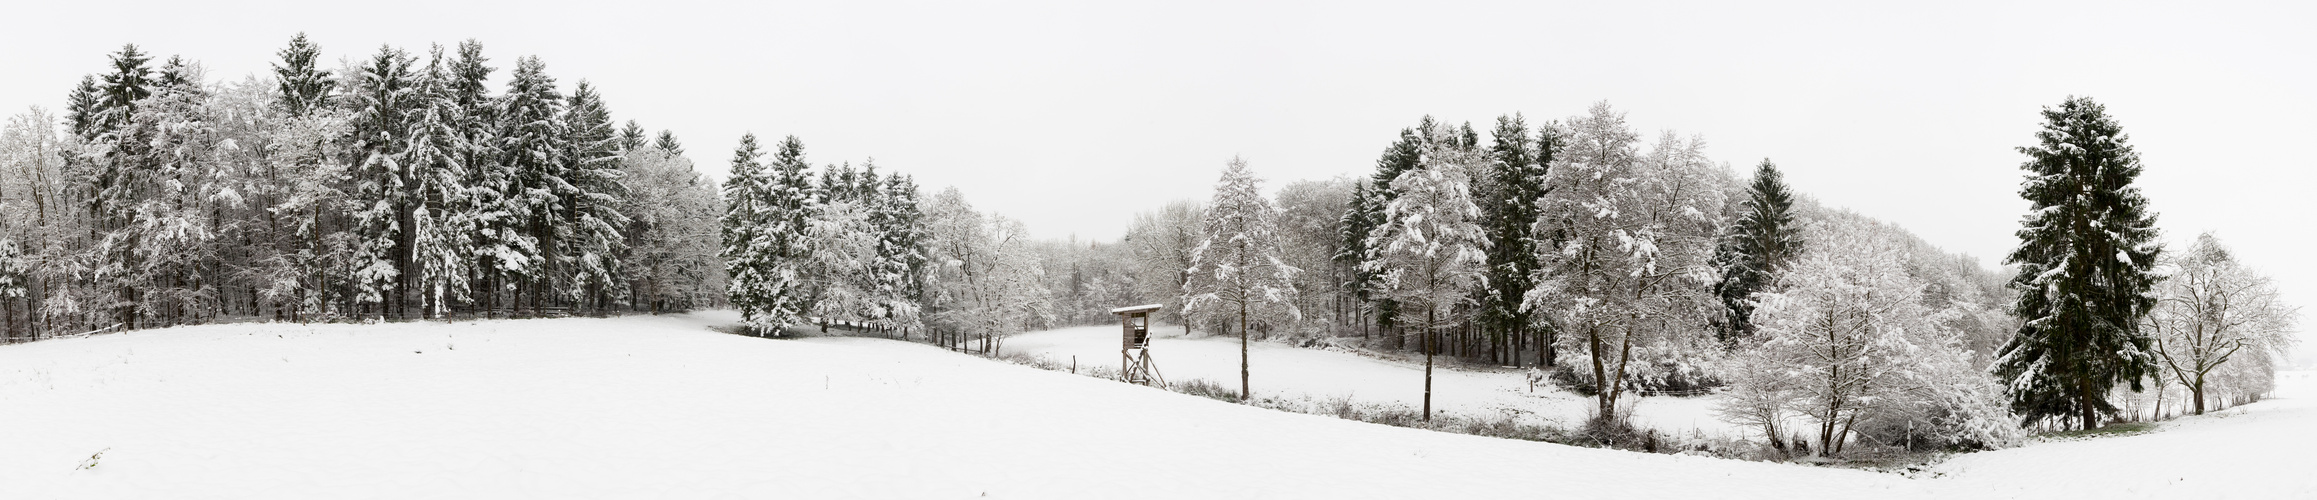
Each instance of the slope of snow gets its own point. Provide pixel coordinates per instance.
(666, 408)
(2261, 450)
(1281, 370)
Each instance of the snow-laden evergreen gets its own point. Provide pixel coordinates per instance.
(1236, 268)
(1431, 251)
(2086, 259)
(1759, 244)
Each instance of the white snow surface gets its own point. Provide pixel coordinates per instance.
(664, 407)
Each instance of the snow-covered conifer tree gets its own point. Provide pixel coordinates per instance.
(1431, 251)
(2087, 259)
(1755, 248)
(533, 141)
(1236, 266)
(589, 215)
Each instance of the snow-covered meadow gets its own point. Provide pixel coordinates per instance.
(1368, 377)
(666, 407)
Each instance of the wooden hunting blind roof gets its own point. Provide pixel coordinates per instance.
(1136, 309)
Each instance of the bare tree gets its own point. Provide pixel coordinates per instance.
(2211, 310)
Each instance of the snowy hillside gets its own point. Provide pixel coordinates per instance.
(666, 408)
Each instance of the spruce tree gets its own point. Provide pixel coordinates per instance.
(1760, 245)
(385, 94)
(532, 142)
(130, 81)
(631, 137)
(667, 142)
(505, 253)
(302, 86)
(2086, 263)
(1517, 168)
(1367, 212)
(589, 214)
(753, 284)
(442, 212)
(83, 108)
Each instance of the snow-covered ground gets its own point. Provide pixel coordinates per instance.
(663, 407)
(1280, 370)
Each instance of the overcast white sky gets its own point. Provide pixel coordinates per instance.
(1073, 116)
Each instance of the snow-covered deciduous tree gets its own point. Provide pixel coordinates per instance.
(1848, 341)
(2212, 312)
(1430, 252)
(1628, 266)
(2086, 259)
(985, 282)
(1237, 265)
(1161, 243)
(1309, 216)
(672, 232)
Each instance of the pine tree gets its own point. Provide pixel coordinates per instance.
(1755, 250)
(590, 212)
(505, 253)
(533, 141)
(442, 211)
(303, 87)
(1431, 250)
(1517, 167)
(1367, 208)
(667, 142)
(2086, 270)
(1236, 266)
(631, 137)
(129, 82)
(384, 96)
(84, 107)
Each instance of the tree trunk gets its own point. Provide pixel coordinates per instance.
(2196, 392)
(1244, 393)
(1429, 320)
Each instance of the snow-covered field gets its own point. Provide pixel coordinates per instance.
(665, 408)
(1280, 370)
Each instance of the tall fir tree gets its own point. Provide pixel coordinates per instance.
(532, 141)
(1517, 167)
(632, 138)
(1755, 250)
(385, 93)
(2087, 259)
(589, 214)
(442, 210)
(758, 283)
(1367, 214)
(302, 86)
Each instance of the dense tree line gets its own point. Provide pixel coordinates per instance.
(396, 186)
